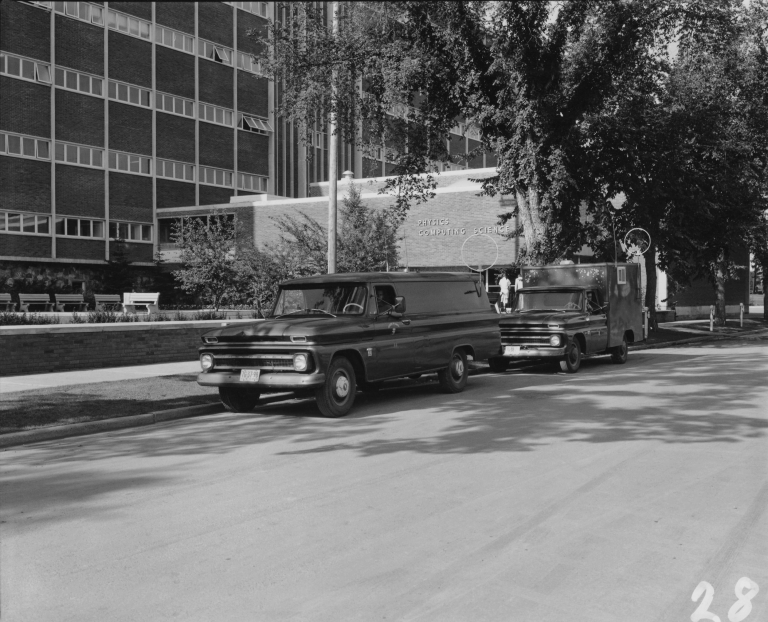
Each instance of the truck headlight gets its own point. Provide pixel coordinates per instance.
(300, 362)
(555, 341)
(206, 362)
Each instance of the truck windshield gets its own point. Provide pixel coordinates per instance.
(549, 300)
(347, 299)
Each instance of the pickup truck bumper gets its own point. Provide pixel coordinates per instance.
(534, 353)
(266, 382)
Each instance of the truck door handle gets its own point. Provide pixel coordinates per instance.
(406, 322)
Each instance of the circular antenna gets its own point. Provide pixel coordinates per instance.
(479, 252)
(636, 242)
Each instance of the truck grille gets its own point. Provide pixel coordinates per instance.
(265, 362)
(520, 338)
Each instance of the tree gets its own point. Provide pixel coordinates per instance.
(117, 276)
(207, 248)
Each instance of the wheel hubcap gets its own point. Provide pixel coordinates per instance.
(342, 386)
(458, 368)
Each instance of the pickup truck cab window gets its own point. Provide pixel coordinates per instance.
(385, 299)
(554, 300)
(328, 300)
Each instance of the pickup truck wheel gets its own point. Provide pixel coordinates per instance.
(336, 396)
(239, 400)
(498, 365)
(572, 359)
(620, 353)
(453, 378)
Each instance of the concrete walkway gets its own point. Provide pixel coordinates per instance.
(11, 384)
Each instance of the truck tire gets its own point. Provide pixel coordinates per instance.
(620, 353)
(498, 365)
(336, 396)
(453, 378)
(239, 400)
(571, 362)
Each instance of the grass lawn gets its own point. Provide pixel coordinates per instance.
(23, 410)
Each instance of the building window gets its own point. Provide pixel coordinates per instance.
(25, 223)
(80, 82)
(247, 62)
(176, 170)
(255, 183)
(214, 52)
(257, 8)
(175, 105)
(25, 146)
(214, 114)
(319, 140)
(174, 39)
(79, 227)
(253, 124)
(129, 25)
(79, 10)
(216, 177)
(129, 94)
(79, 154)
(130, 163)
(131, 231)
(25, 68)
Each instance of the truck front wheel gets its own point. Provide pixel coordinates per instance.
(453, 378)
(572, 359)
(620, 353)
(336, 396)
(239, 400)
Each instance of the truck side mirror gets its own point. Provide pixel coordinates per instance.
(399, 307)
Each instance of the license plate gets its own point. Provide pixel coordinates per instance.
(249, 375)
(511, 350)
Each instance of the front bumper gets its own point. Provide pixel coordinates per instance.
(534, 353)
(267, 382)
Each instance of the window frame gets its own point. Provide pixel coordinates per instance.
(202, 113)
(66, 219)
(79, 151)
(140, 89)
(5, 146)
(4, 68)
(204, 172)
(113, 24)
(216, 49)
(160, 31)
(162, 163)
(263, 182)
(63, 71)
(5, 217)
(129, 229)
(160, 97)
(128, 159)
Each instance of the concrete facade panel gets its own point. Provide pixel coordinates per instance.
(25, 107)
(33, 40)
(25, 185)
(79, 118)
(79, 191)
(130, 128)
(130, 59)
(79, 45)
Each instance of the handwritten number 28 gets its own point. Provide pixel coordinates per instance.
(738, 611)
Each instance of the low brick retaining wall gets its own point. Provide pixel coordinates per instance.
(53, 348)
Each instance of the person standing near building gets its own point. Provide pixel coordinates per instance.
(504, 285)
(518, 282)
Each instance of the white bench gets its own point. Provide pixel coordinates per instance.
(131, 300)
(35, 299)
(70, 300)
(108, 302)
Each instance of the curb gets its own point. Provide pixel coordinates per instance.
(26, 437)
(697, 339)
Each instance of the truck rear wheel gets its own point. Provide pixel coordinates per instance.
(620, 353)
(453, 378)
(336, 396)
(498, 365)
(239, 400)
(572, 359)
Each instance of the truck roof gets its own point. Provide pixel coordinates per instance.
(534, 288)
(381, 277)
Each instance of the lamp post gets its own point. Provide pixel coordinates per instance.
(333, 158)
(613, 225)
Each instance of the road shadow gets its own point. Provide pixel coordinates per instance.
(712, 395)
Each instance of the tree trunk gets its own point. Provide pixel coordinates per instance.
(650, 287)
(534, 227)
(720, 277)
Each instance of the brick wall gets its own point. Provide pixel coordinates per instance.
(79, 45)
(135, 252)
(130, 197)
(64, 348)
(79, 191)
(175, 193)
(24, 246)
(216, 84)
(175, 138)
(211, 195)
(130, 128)
(72, 248)
(34, 39)
(216, 146)
(130, 59)
(253, 153)
(79, 118)
(252, 94)
(25, 107)
(139, 9)
(246, 22)
(175, 72)
(177, 15)
(215, 22)
(25, 185)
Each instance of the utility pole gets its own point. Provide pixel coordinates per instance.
(333, 156)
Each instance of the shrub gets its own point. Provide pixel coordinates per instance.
(8, 318)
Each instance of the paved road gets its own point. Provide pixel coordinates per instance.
(604, 496)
